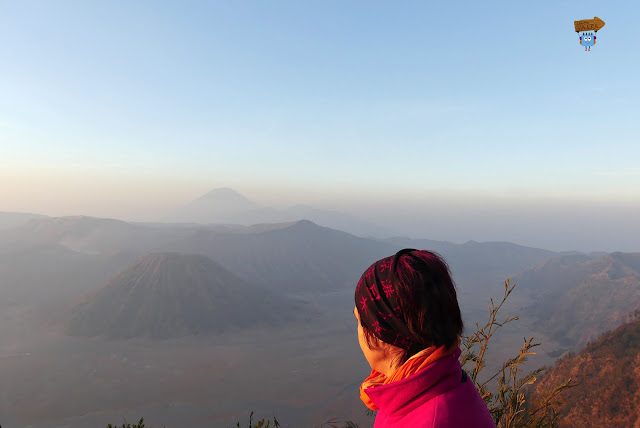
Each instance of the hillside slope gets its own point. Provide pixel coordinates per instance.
(608, 373)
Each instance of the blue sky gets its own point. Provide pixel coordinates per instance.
(337, 99)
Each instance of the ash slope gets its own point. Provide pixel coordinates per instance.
(170, 295)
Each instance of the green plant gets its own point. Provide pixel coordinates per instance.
(261, 423)
(140, 424)
(508, 403)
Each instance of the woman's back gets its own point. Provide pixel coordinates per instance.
(440, 395)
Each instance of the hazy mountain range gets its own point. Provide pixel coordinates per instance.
(9, 220)
(587, 293)
(579, 297)
(296, 257)
(226, 206)
(215, 291)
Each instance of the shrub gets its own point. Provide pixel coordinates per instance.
(140, 424)
(508, 403)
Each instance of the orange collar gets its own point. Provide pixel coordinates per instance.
(413, 365)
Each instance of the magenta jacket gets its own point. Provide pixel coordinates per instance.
(435, 397)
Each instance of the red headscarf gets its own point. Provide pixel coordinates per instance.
(379, 310)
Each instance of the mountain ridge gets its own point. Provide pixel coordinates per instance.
(581, 296)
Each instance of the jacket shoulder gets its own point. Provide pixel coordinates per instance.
(462, 406)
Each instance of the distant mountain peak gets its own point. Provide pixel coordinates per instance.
(304, 224)
(225, 194)
(222, 205)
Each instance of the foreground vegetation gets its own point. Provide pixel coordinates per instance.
(140, 424)
(507, 399)
(506, 392)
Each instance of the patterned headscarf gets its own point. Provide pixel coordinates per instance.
(378, 305)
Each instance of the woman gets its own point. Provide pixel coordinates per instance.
(409, 328)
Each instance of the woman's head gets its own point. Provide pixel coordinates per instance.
(406, 303)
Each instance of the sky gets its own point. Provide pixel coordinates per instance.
(458, 121)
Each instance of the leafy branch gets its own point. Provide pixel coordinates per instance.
(508, 405)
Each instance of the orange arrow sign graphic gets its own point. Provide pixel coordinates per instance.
(589, 24)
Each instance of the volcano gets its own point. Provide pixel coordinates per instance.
(170, 295)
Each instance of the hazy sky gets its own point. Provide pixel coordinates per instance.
(125, 109)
